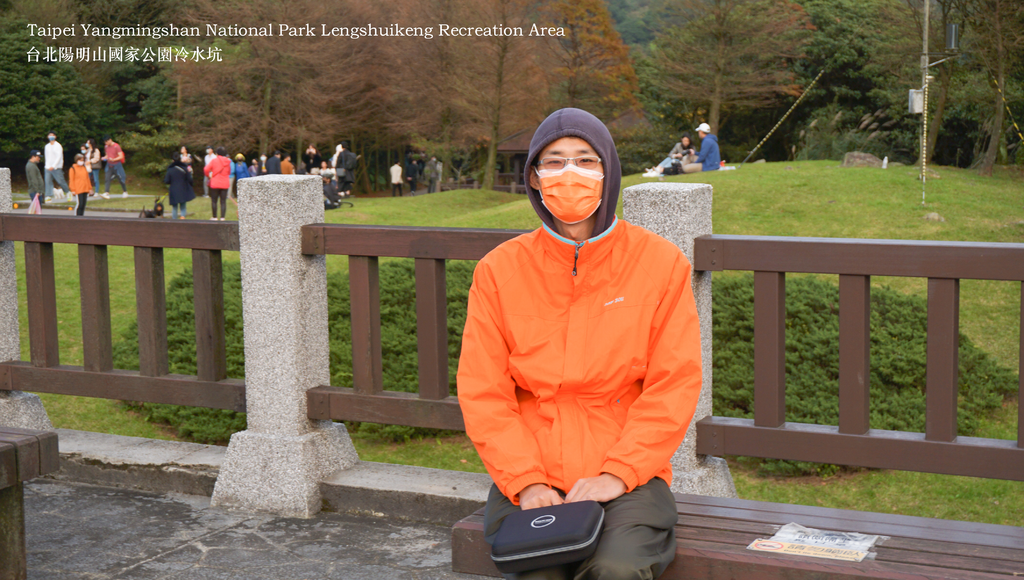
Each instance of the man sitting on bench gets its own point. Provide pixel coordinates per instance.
(581, 361)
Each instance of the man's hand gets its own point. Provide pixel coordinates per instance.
(604, 487)
(538, 495)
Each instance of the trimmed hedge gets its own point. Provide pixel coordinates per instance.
(899, 325)
(898, 346)
(398, 344)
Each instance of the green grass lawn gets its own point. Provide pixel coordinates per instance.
(795, 199)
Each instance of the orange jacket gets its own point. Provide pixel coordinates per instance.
(79, 180)
(564, 377)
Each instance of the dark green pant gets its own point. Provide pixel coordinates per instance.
(637, 542)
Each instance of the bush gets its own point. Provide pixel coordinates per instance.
(898, 347)
(645, 147)
(398, 344)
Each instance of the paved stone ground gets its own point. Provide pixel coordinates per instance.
(87, 532)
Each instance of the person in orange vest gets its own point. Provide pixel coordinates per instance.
(80, 182)
(581, 361)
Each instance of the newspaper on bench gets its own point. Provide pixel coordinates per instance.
(798, 540)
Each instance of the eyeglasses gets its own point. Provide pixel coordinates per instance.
(592, 162)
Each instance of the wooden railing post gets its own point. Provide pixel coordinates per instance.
(943, 371)
(681, 212)
(854, 354)
(769, 349)
(278, 462)
(151, 305)
(432, 328)
(17, 409)
(97, 343)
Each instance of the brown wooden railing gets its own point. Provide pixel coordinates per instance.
(853, 442)
(97, 377)
(368, 401)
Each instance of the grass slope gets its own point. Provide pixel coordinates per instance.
(801, 199)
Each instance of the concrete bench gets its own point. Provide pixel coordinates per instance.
(713, 534)
(24, 454)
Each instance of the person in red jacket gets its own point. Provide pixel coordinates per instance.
(581, 363)
(219, 172)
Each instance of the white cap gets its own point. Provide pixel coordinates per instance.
(704, 127)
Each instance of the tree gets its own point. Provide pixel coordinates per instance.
(38, 97)
(999, 28)
(733, 53)
(590, 68)
(270, 91)
(421, 86)
(501, 88)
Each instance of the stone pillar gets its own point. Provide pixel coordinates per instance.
(680, 212)
(17, 409)
(276, 464)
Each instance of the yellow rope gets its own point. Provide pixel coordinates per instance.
(783, 119)
(1009, 112)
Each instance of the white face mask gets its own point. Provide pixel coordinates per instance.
(263, 157)
(81, 162)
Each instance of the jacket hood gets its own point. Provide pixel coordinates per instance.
(578, 123)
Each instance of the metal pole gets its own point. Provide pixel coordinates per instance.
(924, 88)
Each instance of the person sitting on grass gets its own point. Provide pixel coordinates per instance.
(681, 154)
(332, 200)
(709, 158)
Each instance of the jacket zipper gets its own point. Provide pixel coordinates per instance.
(576, 257)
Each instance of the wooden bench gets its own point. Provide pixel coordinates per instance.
(24, 454)
(713, 533)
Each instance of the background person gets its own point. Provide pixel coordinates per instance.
(681, 154)
(219, 172)
(709, 158)
(433, 174)
(115, 165)
(331, 198)
(179, 186)
(80, 182)
(346, 173)
(240, 171)
(53, 154)
(36, 186)
(94, 158)
(312, 157)
(273, 164)
(411, 173)
(210, 156)
(396, 179)
(286, 166)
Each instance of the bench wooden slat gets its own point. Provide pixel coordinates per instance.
(27, 454)
(857, 525)
(36, 452)
(711, 561)
(931, 546)
(8, 465)
(888, 551)
(872, 517)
